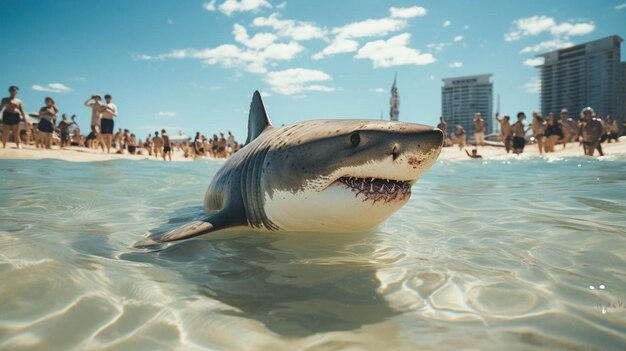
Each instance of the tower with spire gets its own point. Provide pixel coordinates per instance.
(394, 101)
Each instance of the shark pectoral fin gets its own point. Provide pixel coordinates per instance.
(189, 230)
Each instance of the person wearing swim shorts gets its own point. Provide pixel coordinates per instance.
(519, 134)
(94, 102)
(479, 130)
(592, 130)
(12, 108)
(106, 122)
(47, 117)
(167, 147)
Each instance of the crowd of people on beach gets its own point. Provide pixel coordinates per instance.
(46, 132)
(590, 131)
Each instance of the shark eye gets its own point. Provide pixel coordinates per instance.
(355, 139)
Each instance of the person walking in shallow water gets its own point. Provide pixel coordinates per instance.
(12, 108)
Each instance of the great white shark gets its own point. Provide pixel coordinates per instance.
(315, 176)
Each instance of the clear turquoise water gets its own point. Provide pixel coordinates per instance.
(492, 255)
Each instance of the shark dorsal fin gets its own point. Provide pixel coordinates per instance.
(257, 119)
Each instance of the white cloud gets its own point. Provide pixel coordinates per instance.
(231, 56)
(209, 6)
(407, 12)
(455, 65)
(281, 6)
(258, 41)
(297, 30)
(297, 80)
(370, 28)
(535, 61)
(458, 38)
(393, 52)
(52, 88)
(446, 24)
(378, 90)
(337, 46)
(535, 25)
(166, 114)
(533, 86)
(229, 7)
(546, 46)
(620, 6)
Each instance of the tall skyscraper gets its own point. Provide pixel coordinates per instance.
(394, 102)
(583, 75)
(462, 97)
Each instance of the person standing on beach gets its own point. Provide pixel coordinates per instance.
(230, 140)
(167, 147)
(460, 136)
(148, 144)
(592, 129)
(479, 130)
(96, 107)
(12, 108)
(538, 127)
(77, 136)
(64, 128)
(118, 139)
(158, 144)
(519, 134)
(47, 116)
(198, 146)
(553, 133)
(106, 122)
(505, 131)
(568, 127)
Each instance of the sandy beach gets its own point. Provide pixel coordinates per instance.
(80, 154)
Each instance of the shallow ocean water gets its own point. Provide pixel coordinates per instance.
(516, 253)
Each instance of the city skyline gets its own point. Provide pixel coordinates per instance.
(194, 65)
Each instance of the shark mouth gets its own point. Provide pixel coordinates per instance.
(375, 189)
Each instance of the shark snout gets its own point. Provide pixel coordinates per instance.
(421, 141)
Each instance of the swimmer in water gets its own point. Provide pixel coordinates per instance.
(474, 154)
(12, 109)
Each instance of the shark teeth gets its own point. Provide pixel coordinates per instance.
(374, 189)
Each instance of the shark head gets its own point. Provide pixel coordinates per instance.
(340, 175)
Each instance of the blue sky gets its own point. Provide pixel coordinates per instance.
(193, 65)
